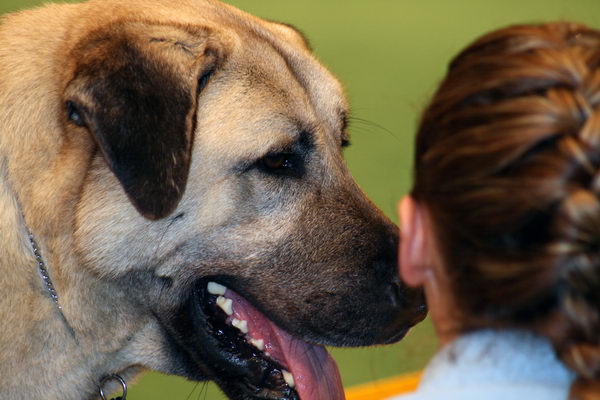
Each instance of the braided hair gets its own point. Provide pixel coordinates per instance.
(508, 165)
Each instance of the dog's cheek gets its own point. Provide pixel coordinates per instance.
(111, 237)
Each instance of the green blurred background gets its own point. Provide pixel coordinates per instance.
(390, 54)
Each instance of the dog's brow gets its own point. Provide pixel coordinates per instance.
(303, 137)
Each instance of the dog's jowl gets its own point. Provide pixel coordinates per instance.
(173, 197)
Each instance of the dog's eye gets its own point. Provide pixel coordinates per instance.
(74, 115)
(282, 164)
(278, 161)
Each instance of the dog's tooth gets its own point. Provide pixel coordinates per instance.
(258, 343)
(288, 378)
(242, 325)
(225, 304)
(215, 288)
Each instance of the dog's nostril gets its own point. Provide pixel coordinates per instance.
(395, 293)
(406, 298)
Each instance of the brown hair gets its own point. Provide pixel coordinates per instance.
(508, 166)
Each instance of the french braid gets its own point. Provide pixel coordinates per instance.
(508, 164)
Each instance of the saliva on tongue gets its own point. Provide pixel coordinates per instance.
(316, 375)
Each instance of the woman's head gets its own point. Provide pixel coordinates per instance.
(508, 169)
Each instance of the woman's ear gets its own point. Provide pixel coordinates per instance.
(413, 251)
(421, 265)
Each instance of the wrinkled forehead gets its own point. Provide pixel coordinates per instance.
(276, 59)
(270, 94)
(271, 100)
(251, 114)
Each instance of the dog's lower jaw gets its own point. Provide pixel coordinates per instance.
(213, 342)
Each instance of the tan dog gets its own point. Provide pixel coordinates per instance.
(179, 165)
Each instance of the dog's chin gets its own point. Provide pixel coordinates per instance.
(245, 353)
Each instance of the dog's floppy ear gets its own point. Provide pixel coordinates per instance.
(137, 96)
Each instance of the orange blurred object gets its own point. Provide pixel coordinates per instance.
(382, 389)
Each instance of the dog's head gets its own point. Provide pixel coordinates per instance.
(219, 176)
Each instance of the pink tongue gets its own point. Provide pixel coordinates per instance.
(316, 375)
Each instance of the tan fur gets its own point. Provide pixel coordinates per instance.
(93, 239)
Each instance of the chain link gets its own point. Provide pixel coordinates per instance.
(43, 270)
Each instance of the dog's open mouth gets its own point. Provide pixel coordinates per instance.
(252, 358)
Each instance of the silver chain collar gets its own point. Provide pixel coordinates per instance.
(43, 270)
